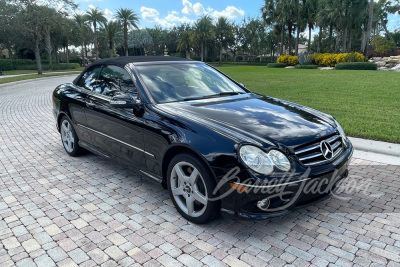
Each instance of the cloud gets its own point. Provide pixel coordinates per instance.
(229, 12)
(152, 15)
(108, 14)
(173, 18)
(149, 14)
(192, 9)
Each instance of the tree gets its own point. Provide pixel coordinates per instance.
(203, 31)
(127, 17)
(369, 28)
(140, 39)
(83, 31)
(96, 17)
(185, 43)
(112, 32)
(310, 14)
(223, 30)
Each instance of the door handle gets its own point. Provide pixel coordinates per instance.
(90, 103)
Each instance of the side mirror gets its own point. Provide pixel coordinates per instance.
(122, 101)
(242, 85)
(128, 101)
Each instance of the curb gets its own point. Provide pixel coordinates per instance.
(385, 148)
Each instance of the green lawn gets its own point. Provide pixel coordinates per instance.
(366, 103)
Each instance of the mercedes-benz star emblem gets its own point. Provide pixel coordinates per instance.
(326, 150)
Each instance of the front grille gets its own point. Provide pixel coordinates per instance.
(311, 154)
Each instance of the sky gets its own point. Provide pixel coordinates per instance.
(169, 13)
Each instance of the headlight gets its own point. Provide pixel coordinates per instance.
(280, 160)
(341, 132)
(261, 162)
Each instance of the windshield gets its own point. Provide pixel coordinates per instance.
(186, 81)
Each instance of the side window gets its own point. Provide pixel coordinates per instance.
(89, 79)
(113, 80)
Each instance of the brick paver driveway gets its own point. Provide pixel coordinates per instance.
(58, 210)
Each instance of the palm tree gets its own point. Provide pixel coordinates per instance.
(310, 11)
(127, 17)
(223, 28)
(204, 31)
(185, 42)
(112, 31)
(82, 27)
(95, 16)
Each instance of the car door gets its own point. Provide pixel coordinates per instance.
(79, 94)
(116, 131)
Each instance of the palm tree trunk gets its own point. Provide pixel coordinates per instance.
(202, 51)
(48, 47)
(369, 27)
(67, 52)
(111, 49)
(82, 55)
(296, 51)
(126, 38)
(330, 43)
(37, 52)
(319, 40)
(220, 51)
(290, 38)
(309, 39)
(386, 30)
(282, 38)
(344, 40)
(95, 41)
(350, 39)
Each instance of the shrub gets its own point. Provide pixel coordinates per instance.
(306, 67)
(288, 60)
(276, 65)
(383, 45)
(61, 66)
(331, 60)
(305, 58)
(357, 66)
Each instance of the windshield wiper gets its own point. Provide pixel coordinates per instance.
(212, 96)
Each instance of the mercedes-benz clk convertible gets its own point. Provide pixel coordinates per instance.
(214, 144)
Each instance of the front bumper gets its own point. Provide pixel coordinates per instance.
(316, 186)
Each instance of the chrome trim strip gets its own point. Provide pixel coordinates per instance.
(151, 176)
(122, 142)
(311, 156)
(306, 149)
(269, 186)
(324, 161)
(336, 145)
(333, 138)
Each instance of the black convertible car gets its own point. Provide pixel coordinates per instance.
(215, 145)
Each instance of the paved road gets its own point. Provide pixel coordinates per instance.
(58, 210)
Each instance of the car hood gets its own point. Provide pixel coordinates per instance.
(260, 118)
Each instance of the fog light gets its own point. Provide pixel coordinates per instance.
(263, 204)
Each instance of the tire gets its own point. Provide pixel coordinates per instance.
(69, 138)
(191, 186)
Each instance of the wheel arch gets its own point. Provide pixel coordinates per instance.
(61, 114)
(178, 149)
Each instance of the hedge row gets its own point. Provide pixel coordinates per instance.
(28, 64)
(309, 67)
(276, 65)
(329, 60)
(288, 60)
(61, 66)
(356, 66)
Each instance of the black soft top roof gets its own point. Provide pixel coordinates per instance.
(122, 61)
